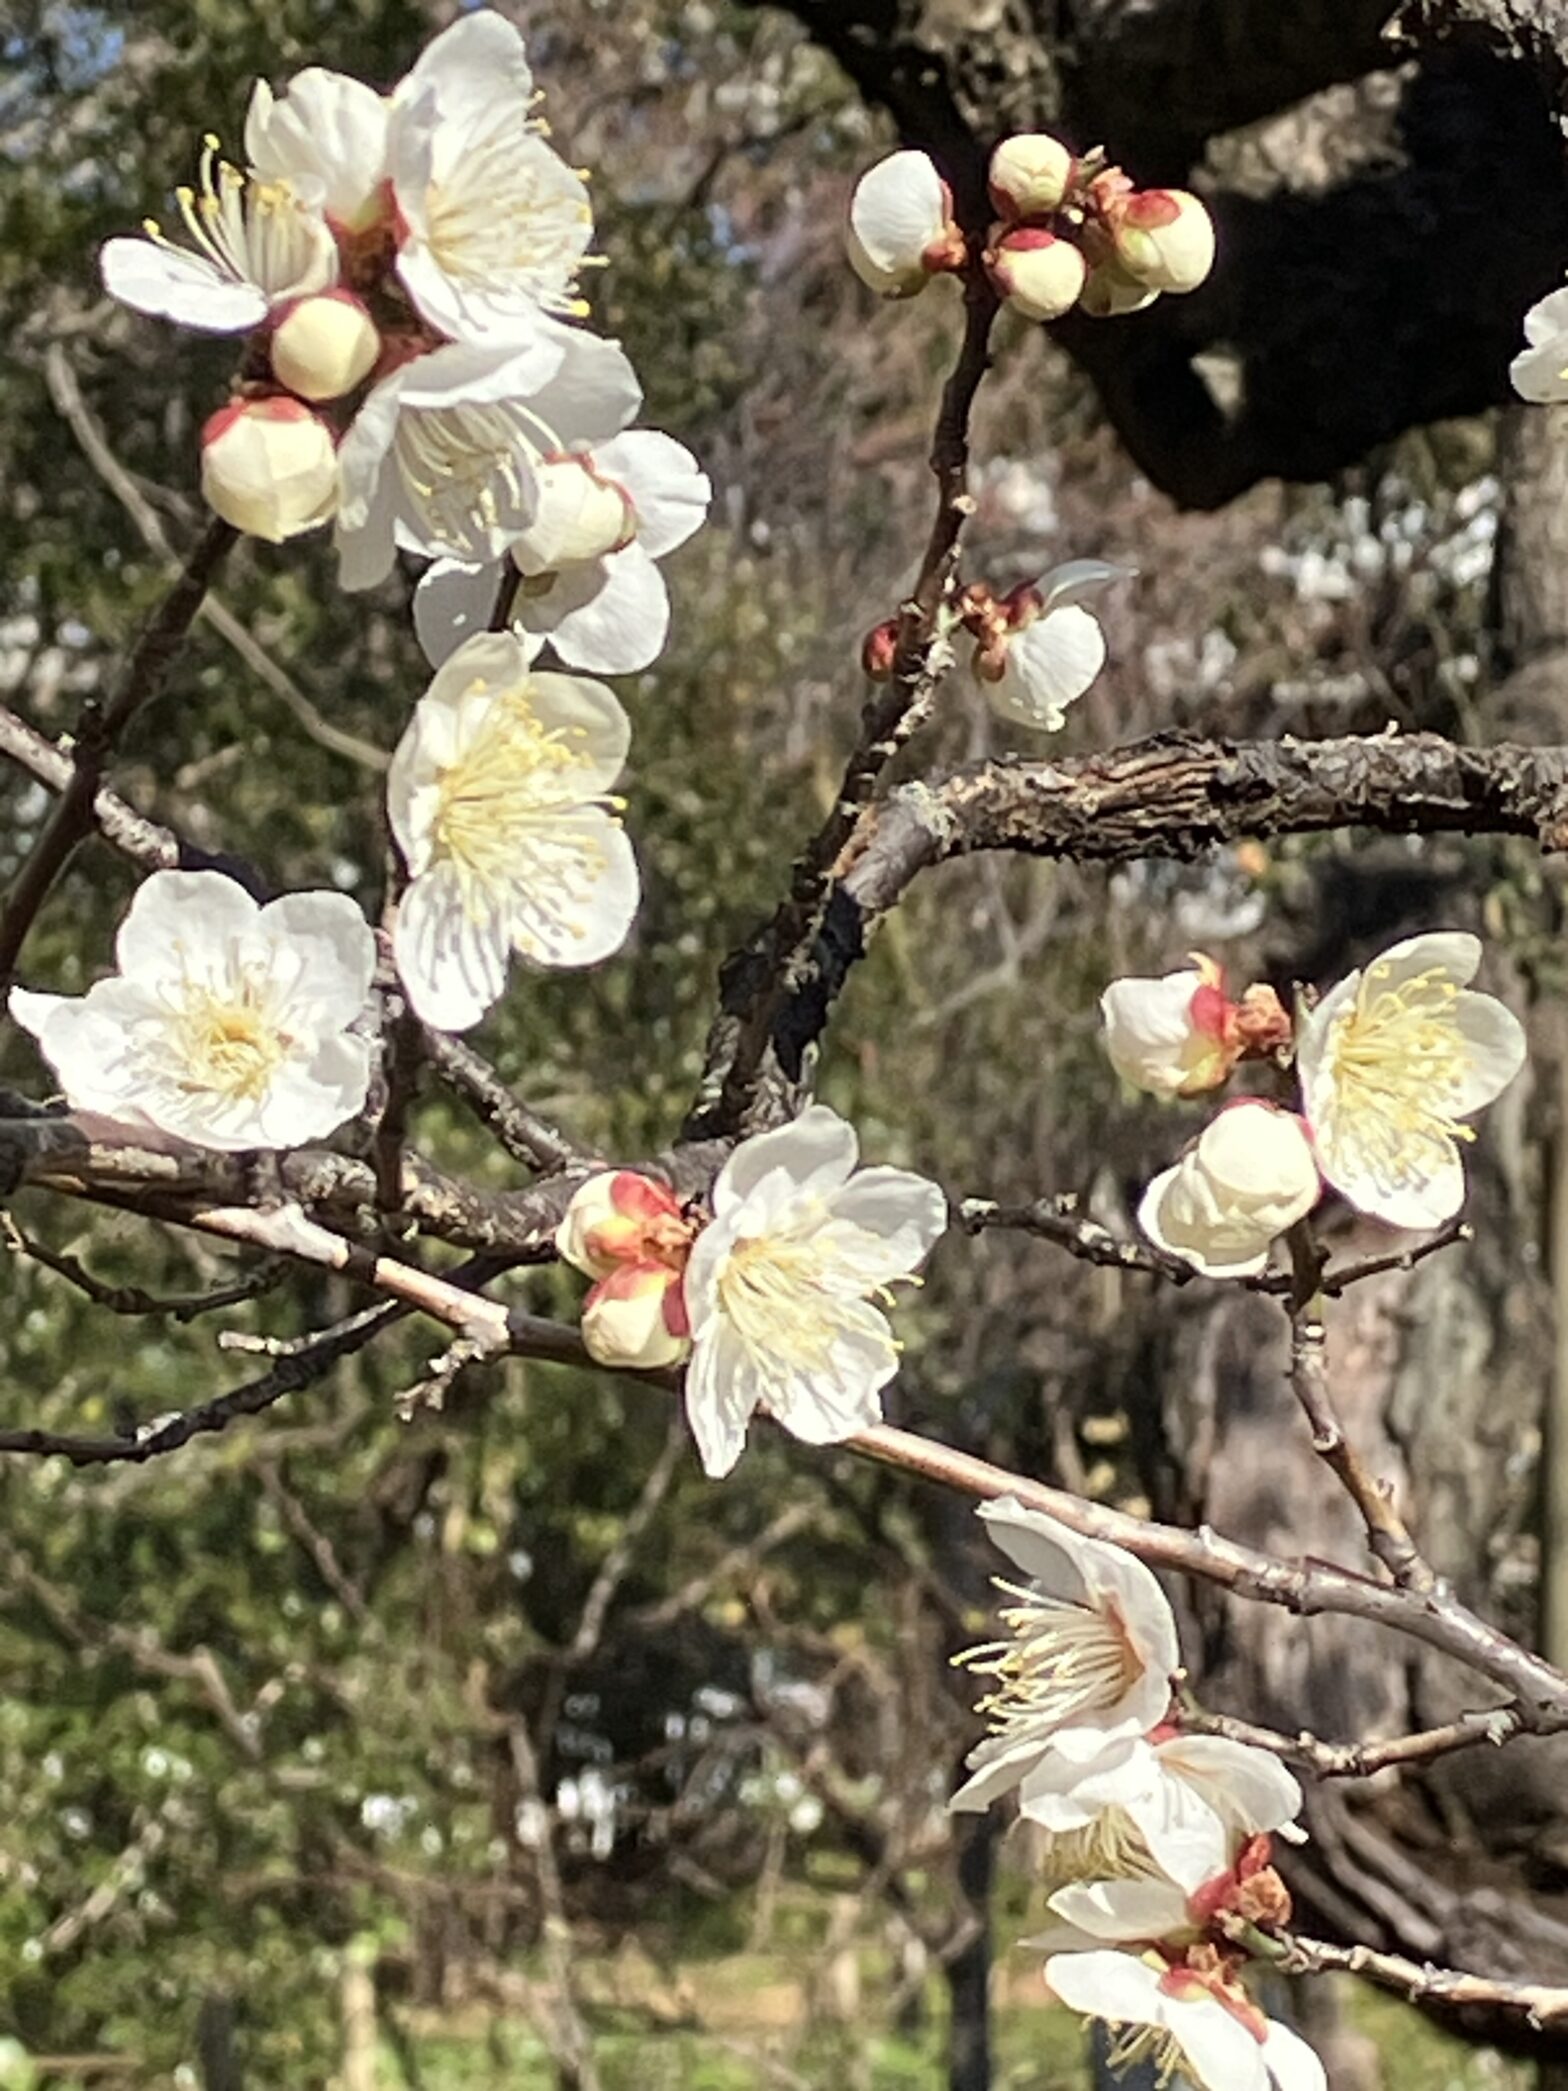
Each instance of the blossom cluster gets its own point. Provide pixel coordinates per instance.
(1069, 231)
(1389, 1065)
(1158, 1842)
(405, 270)
(770, 1294)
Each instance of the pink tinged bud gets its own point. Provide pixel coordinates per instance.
(324, 346)
(1030, 175)
(1110, 293)
(879, 649)
(1039, 275)
(619, 1217)
(635, 1319)
(901, 229)
(269, 467)
(1164, 239)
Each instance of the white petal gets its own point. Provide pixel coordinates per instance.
(453, 966)
(1547, 319)
(171, 283)
(481, 58)
(901, 1215)
(898, 210)
(453, 603)
(1455, 953)
(1186, 1838)
(593, 723)
(86, 1040)
(1248, 1787)
(1108, 1985)
(307, 1101)
(1496, 1041)
(668, 488)
(577, 892)
(1221, 2053)
(1078, 580)
(175, 915)
(1123, 1910)
(591, 391)
(718, 1402)
(337, 952)
(1290, 2062)
(1418, 1202)
(610, 616)
(817, 1150)
(326, 128)
(1540, 374)
(1049, 665)
(824, 1408)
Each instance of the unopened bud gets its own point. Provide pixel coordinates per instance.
(879, 650)
(324, 346)
(580, 516)
(619, 1217)
(1029, 176)
(635, 1319)
(1039, 275)
(1110, 293)
(1164, 238)
(269, 467)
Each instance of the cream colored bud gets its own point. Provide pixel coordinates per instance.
(1110, 293)
(1164, 239)
(1039, 275)
(580, 516)
(269, 467)
(1251, 1175)
(324, 346)
(635, 1319)
(1029, 176)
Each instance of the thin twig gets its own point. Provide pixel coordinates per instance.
(1057, 1220)
(1540, 2003)
(98, 734)
(1331, 1760)
(131, 1299)
(526, 1136)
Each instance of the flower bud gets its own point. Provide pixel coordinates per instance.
(635, 1319)
(323, 346)
(269, 467)
(901, 228)
(1110, 293)
(879, 650)
(619, 1217)
(1164, 239)
(580, 516)
(1250, 1176)
(1029, 176)
(1173, 1037)
(1038, 274)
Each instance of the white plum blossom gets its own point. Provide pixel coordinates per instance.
(1392, 1061)
(492, 223)
(228, 1024)
(1090, 1652)
(1540, 370)
(780, 1286)
(1180, 2018)
(254, 245)
(441, 458)
(1249, 1177)
(901, 227)
(601, 606)
(498, 798)
(329, 130)
(1054, 650)
(1169, 1035)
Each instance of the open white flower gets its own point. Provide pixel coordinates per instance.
(1250, 1176)
(901, 227)
(497, 797)
(227, 1025)
(442, 457)
(603, 608)
(255, 244)
(780, 1285)
(329, 130)
(492, 222)
(1391, 1062)
(1055, 649)
(1540, 370)
(1091, 1647)
(1179, 2019)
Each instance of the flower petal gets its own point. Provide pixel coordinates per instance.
(1049, 665)
(452, 603)
(815, 1151)
(1108, 1985)
(719, 1402)
(452, 963)
(179, 916)
(171, 283)
(610, 616)
(898, 209)
(336, 949)
(1496, 1041)
(577, 891)
(668, 488)
(1290, 2062)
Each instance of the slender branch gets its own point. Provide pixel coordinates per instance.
(1057, 1220)
(102, 725)
(1330, 1760)
(1540, 2003)
(131, 1299)
(527, 1137)
(145, 843)
(1388, 1536)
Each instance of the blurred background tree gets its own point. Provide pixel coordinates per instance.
(499, 1747)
